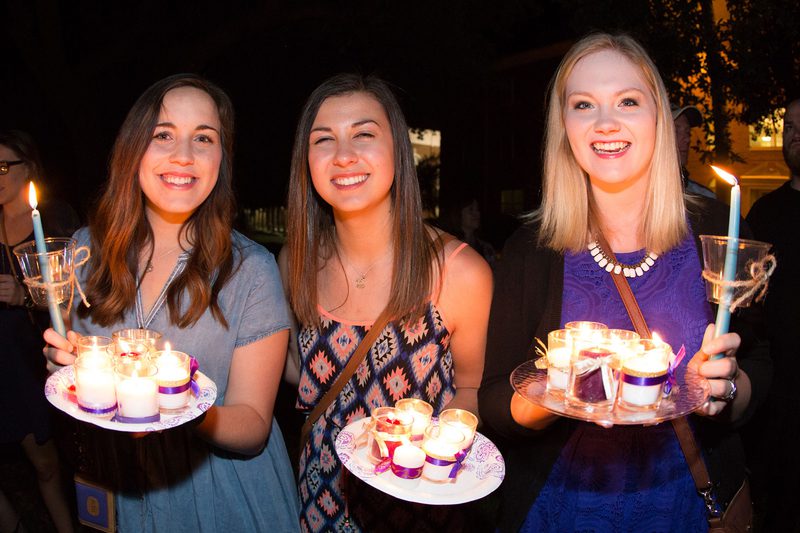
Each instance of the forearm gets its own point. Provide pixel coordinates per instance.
(529, 415)
(236, 428)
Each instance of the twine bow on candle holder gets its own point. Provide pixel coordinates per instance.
(55, 286)
(755, 288)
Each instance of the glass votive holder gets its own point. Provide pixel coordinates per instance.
(137, 391)
(591, 383)
(441, 445)
(95, 346)
(559, 353)
(421, 411)
(463, 421)
(95, 390)
(134, 342)
(173, 378)
(643, 376)
(586, 327)
(390, 429)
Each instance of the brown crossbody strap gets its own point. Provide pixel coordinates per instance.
(681, 426)
(350, 368)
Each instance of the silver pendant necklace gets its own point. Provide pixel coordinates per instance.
(149, 267)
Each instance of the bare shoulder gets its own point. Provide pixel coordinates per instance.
(466, 273)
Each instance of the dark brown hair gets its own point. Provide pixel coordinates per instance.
(310, 219)
(120, 231)
(23, 145)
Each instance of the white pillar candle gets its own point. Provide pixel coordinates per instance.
(94, 385)
(137, 390)
(440, 446)
(642, 382)
(173, 373)
(558, 367)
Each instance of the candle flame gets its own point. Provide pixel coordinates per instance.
(32, 196)
(728, 177)
(657, 338)
(167, 348)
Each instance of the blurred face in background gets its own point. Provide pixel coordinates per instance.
(14, 182)
(791, 137)
(683, 137)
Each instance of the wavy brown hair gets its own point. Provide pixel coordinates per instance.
(310, 219)
(120, 231)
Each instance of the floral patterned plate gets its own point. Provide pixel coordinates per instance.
(482, 472)
(58, 392)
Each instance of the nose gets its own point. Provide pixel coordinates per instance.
(182, 153)
(345, 155)
(606, 121)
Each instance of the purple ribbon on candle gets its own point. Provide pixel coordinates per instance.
(460, 456)
(175, 390)
(97, 411)
(406, 473)
(193, 367)
(671, 380)
(136, 419)
(644, 381)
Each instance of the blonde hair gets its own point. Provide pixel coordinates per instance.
(566, 214)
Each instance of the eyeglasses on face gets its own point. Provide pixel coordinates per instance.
(6, 165)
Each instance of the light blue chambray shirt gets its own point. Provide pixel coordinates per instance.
(173, 481)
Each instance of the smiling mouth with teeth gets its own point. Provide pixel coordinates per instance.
(175, 180)
(610, 148)
(351, 180)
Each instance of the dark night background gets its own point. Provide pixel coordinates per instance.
(73, 69)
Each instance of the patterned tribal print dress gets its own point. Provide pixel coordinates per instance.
(407, 360)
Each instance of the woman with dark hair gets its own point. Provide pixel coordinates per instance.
(611, 169)
(357, 245)
(165, 257)
(24, 411)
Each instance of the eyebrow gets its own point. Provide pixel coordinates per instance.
(353, 125)
(623, 91)
(198, 128)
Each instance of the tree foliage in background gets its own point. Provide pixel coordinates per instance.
(763, 46)
(739, 67)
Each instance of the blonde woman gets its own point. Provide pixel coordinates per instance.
(610, 167)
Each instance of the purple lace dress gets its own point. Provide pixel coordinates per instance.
(628, 478)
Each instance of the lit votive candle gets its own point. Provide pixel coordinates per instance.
(390, 428)
(95, 346)
(173, 379)
(421, 411)
(559, 351)
(137, 392)
(463, 421)
(441, 445)
(94, 385)
(135, 342)
(644, 375)
(407, 463)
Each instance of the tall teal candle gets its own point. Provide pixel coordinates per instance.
(731, 254)
(41, 249)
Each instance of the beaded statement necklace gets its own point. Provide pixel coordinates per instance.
(609, 265)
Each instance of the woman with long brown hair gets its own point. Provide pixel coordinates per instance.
(358, 245)
(165, 257)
